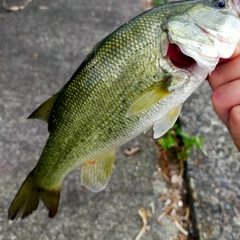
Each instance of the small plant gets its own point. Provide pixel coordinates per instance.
(168, 140)
(180, 140)
(160, 2)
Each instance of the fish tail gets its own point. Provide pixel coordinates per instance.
(27, 199)
(50, 199)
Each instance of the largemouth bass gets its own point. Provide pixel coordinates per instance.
(136, 78)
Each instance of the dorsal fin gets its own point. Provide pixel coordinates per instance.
(43, 112)
(98, 44)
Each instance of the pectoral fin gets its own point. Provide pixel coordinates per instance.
(166, 122)
(149, 98)
(43, 112)
(95, 174)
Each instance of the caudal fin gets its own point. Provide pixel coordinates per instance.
(27, 199)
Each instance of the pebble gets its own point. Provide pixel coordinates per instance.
(227, 207)
(180, 203)
(209, 218)
(168, 202)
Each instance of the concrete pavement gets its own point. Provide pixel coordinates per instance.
(40, 48)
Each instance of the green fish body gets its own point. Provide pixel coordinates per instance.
(131, 81)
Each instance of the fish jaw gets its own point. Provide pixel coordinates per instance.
(209, 42)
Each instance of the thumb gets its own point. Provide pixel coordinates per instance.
(234, 125)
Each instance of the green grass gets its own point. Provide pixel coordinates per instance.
(160, 2)
(175, 137)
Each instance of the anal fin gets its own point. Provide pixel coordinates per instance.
(95, 173)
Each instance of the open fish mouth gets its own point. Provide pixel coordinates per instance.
(196, 43)
(188, 58)
(178, 58)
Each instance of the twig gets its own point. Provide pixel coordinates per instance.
(182, 168)
(131, 151)
(144, 214)
(165, 177)
(186, 217)
(180, 228)
(165, 212)
(152, 205)
(167, 209)
(175, 218)
(15, 7)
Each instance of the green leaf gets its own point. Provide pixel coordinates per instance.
(160, 2)
(170, 139)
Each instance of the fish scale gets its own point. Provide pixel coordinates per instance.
(126, 85)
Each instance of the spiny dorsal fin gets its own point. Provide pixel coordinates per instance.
(43, 112)
(95, 174)
(98, 44)
(150, 97)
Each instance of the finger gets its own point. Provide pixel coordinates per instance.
(224, 73)
(234, 125)
(224, 98)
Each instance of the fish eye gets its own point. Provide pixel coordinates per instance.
(219, 3)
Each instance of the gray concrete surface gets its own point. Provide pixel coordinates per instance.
(214, 172)
(40, 48)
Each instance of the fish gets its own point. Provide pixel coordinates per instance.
(136, 78)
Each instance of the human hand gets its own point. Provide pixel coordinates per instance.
(225, 83)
